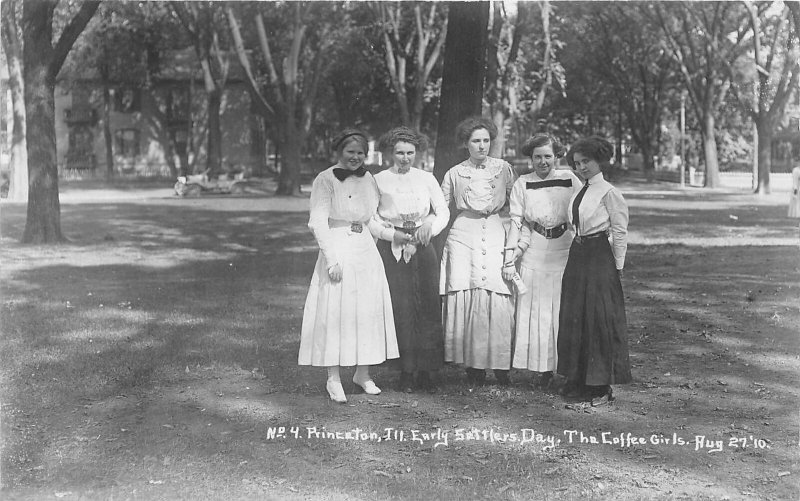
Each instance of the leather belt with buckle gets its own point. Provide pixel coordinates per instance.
(554, 232)
(582, 238)
(408, 227)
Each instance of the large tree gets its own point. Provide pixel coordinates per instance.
(204, 22)
(705, 39)
(12, 46)
(773, 75)
(284, 79)
(42, 60)
(624, 53)
(462, 77)
(412, 35)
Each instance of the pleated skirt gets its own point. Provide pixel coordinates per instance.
(478, 328)
(349, 322)
(537, 312)
(592, 335)
(414, 288)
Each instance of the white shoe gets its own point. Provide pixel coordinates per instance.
(336, 392)
(369, 387)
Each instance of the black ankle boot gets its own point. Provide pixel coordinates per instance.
(502, 377)
(476, 376)
(406, 382)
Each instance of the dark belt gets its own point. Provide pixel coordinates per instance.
(554, 232)
(579, 239)
(409, 227)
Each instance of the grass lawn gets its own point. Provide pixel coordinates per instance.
(155, 357)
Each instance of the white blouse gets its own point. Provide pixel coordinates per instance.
(410, 197)
(545, 201)
(353, 200)
(603, 208)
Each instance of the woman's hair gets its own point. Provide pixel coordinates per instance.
(403, 134)
(346, 137)
(594, 147)
(465, 129)
(543, 140)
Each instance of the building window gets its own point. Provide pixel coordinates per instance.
(126, 100)
(127, 142)
(794, 124)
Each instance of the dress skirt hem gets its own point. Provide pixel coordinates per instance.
(414, 288)
(478, 328)
(592, 338)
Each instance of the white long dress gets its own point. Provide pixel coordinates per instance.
(478, 307)
(349, 322)
(546, 202)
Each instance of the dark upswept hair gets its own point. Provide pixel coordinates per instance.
(403, 134)
(347, 136)
(467, 126)
(594, 147)
(543, 140)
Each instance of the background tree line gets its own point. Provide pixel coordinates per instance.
(620, 69)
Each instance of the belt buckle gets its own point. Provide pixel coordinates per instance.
(409, 226)
(356, 227)
(548, 233)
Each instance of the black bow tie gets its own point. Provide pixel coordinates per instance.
(342, 174)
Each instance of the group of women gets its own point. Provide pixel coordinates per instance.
(380, 293)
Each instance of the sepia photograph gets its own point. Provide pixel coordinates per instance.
(503, 250)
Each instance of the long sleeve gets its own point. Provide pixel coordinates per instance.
(517, 203)
(447, 189)
(439, 206)
(618, 215)
(321, 202)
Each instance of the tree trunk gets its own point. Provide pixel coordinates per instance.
(764, 159)
(107, 136)
(710, 152)
(214, 153)
(499, 118)
(462, 77)
(43, 224)
(289, 178)
(18, 162)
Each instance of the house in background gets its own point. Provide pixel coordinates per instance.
(158, 130)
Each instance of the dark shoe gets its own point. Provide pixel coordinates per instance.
(476, 376)
(601, 395)
(425, 383)
(571, 390)
(406, 382)
(502, 377)
(544, 380)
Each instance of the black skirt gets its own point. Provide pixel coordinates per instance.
(592, 334)
(414, 287)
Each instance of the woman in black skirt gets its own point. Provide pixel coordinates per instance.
(592, 337)
(413, 210)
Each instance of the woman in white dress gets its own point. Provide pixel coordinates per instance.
(478, 306)
(347, 319)
(412, 205)
(540, 234)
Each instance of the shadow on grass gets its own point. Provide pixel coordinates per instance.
(153, 319)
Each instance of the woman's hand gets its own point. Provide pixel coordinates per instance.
(509, 272)
(335, 273)
(401, 237)
(424, 234)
